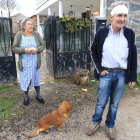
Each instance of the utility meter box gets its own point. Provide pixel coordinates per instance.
(100, 22)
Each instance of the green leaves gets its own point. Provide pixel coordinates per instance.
(74, 24)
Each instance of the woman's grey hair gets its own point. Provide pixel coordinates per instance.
(24, 22)
(116, 3)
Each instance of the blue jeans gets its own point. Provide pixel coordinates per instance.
(110, 85)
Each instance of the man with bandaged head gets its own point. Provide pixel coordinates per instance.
(114, 56)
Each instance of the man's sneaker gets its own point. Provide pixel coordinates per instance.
(111, 133)
(93, 128)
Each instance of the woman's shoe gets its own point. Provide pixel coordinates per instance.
(40, 100)
(26, 102)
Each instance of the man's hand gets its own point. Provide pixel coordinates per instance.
(27, 50)
(131, 84)
(104, 72)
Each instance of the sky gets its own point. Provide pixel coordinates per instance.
(28, 7)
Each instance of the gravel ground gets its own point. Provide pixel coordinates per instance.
(127, 123)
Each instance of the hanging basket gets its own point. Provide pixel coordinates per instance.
(82, 76)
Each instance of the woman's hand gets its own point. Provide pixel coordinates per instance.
(27, 50)
(30, 51)
(34, 50)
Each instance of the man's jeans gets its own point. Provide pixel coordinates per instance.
(110, 85)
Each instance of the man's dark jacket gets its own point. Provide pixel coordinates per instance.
(96, 53)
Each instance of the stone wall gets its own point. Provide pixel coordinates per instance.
(133, 20)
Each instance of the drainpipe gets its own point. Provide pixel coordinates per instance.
(38, 24)
(60, 8)
(49, 11)
(101, 8)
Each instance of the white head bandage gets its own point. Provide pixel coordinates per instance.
(119, 9)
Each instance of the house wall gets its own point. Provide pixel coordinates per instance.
(16, 20)
(42, 19)
(133, 20)
(18, 17)
(78, 13)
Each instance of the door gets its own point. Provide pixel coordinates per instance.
(8, 71)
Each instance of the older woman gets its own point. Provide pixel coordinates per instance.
(29, 45)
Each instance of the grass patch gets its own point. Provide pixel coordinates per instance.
(64, 80)
(75, 92)
(78, 96)
(71, 94)
(6, 88)
(52, 80)
(96, 84)
(55, 80)
(90, 83)
(73, 87)
(63, 90)
(80, 86)
(126, 88)
(137, 85)
(95, 93)
(7, 106)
